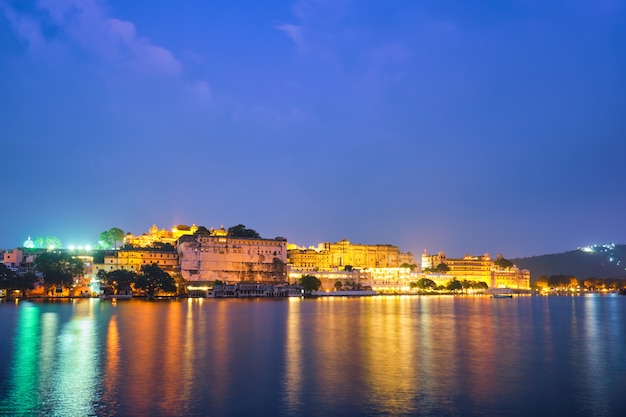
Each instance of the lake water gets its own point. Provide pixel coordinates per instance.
(370, 356)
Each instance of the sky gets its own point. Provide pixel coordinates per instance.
(456, 126)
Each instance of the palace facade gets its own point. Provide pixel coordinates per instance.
(336, 256)
(132, 259)
(219, 257)
(156, 235)
(476, 268)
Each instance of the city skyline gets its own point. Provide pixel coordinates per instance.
(466, 128)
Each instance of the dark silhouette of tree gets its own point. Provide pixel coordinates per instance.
(58, 269)
(424, 283)
(12, 281)
(502, 263)
(120, 281)
(164, 246)
(154, 280)
(454, 285)
(442, 268)
(202, 231)
(241, 231)
(310, 283)
(480, 285)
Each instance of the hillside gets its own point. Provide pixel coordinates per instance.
(598, 261)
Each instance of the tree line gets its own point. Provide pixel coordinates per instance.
(152, 281)
(568, 282)
(426, 284)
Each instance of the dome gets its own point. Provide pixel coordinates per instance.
(29, 243)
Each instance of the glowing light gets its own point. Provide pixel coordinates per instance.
(88, 247)
(71, 247)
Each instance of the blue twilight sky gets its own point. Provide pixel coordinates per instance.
(463, 126)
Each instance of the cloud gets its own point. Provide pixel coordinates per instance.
(319, 20)
(294, 32)
(86, 23)
(201, 90)
(26, 29)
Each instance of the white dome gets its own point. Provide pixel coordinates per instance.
(29, 243)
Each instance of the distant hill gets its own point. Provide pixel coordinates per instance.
(597, 261)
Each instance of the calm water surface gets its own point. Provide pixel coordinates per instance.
(371, 356)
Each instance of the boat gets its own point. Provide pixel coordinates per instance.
(502, 296)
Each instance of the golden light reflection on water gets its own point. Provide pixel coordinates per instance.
(221, 354)
(111, 374)
(383, 355)
(77, 364)
(292, 385)
(596, 367)
(391, 330)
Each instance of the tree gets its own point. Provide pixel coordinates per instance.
(202, 231)
(502, 263)
(310, 283)
(164, 246)
(559, 281)
(442, 268)
(348, 268)
(480, 285)
(47, 242)
(12, 281)
(338, 285)
(425, 283)
(120, 280)
(454, 285)
(7, 277)
(592, 283)
(154, 280)
(109, 238)
(58, 269)
(410, 266)
(542, 282)
(241, 231)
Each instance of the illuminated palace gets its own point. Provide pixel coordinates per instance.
(476, 268)
(349, 266)
(217, 256)
(149, 248)
(162, 236)
(335, 256)
(132, 259)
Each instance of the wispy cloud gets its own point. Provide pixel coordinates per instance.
(87, 23)
(294, 32)
(337, 34)
(317, 21)
(27, 29)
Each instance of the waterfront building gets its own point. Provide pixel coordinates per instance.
(132, 259)
(477, 268)
(512, 278)
(219, 257)
(156, 235)
(392, 279)
(329, 256)
(352, 279)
